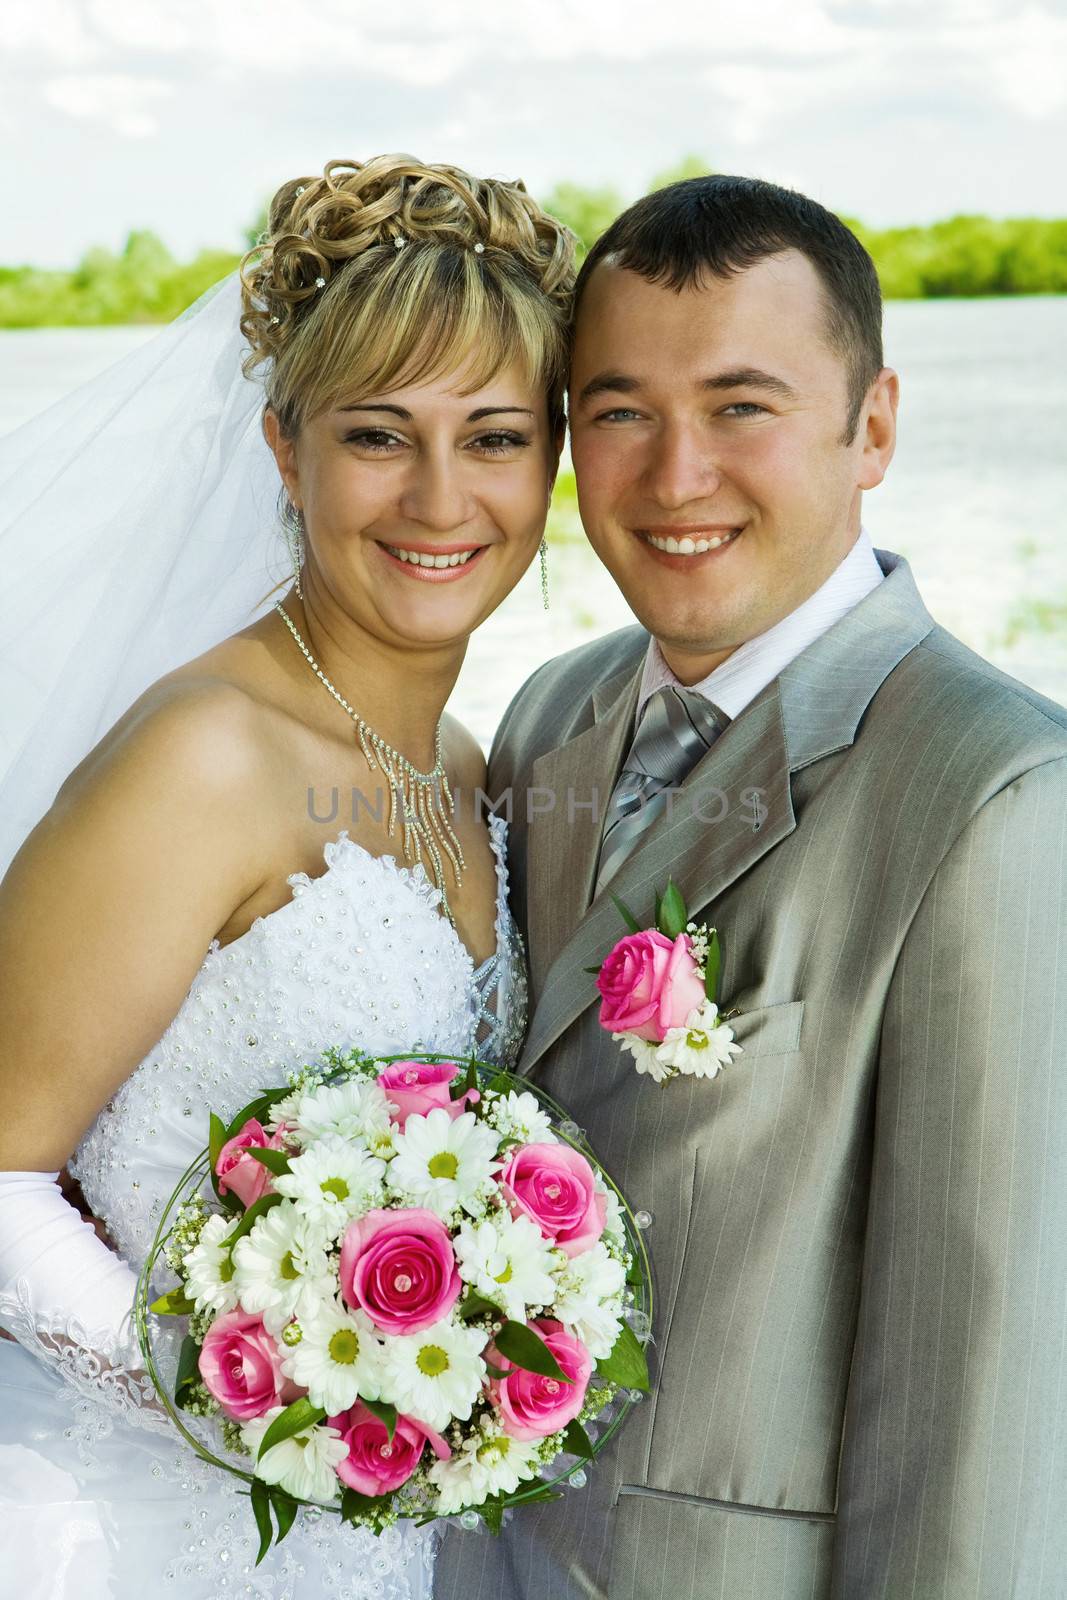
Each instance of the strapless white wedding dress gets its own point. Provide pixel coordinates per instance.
(98, 1497)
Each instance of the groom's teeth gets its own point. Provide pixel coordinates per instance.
(421, 558)
(687, 546)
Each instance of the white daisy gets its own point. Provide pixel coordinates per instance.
(355, 1110)
(280, 1268)
(208, 1268)
(444, 1165)
(489, 1462)
(434, 1375)
(509, 1261)
(518, 1116)
(646, 1056)
(333, 1181)
(589, 1299)
(337, 1360)
(306, 1464)
(614, 1226)
(703, 1047)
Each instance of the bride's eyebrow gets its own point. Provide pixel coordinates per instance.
(475, 416)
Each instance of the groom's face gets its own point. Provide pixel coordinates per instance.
(717, 416)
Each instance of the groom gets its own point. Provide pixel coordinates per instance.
(859, 1370)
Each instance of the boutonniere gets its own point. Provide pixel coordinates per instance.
(658, 994)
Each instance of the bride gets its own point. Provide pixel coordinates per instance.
(182, 926)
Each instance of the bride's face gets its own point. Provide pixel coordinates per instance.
(423, 506)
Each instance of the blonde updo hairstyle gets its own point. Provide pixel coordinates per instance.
(424, 270)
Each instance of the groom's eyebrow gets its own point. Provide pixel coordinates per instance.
(736, 378)
(475, 416)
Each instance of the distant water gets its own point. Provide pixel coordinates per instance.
(974, 499)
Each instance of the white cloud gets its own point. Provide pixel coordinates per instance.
(118, 100)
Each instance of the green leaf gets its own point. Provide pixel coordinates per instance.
(354, 1504)
(251, 1217)
(385, 1413)
(627, 1365)
(492, 1514)
(256, 1109)
(526, 1349)
(626, 914)
(276, 1161)
(476, 1305)
(503, 1083)
(216, 1139)
(577, 1441)
(711, 968)
(294, 1419)
(672, 916)
(188, 1372)
(261, 1511)
(285, 1510)
(175, 1303)
(537, 1495)
(595, 971)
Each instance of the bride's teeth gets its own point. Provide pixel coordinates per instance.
(714, 542)
(420, 558)
(686, 547)
(672, 546)
(701, 546)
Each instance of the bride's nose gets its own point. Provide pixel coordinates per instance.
(436, 495)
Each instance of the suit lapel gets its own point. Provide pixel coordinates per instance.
(562, 842)
(717, 830)
(733, 807)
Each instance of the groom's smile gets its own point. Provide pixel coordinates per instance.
(709, 427)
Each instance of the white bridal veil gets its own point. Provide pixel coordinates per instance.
(138, 526)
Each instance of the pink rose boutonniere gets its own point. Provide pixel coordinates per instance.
(658, 994)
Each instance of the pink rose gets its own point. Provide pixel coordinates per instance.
(649, 984)
(236, 1170)
(554, 1185)
(532, 1407)
(374, 1465)
(399, 1267)
(242, 1367)
(418, 1087)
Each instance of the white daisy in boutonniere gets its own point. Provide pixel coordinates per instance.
(444, 1163)
(658, 992)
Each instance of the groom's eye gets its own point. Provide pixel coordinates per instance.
(745, 408)
(617, 414)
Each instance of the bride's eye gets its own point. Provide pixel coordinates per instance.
(500, 442)
(376, 439)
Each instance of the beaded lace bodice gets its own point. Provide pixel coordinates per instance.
(359, 956)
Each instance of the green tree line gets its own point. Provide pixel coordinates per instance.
(960, 256)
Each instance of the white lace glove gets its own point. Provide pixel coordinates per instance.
(58, 1281)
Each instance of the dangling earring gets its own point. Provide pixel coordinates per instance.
(544, 572)
(293, 528)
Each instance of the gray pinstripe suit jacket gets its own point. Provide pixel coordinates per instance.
(860, 1234)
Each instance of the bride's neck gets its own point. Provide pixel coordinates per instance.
(399, 692)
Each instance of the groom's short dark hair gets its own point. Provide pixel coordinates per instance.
(721, 225)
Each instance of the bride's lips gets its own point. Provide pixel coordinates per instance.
(449, 561)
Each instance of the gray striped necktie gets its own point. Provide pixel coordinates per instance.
(677, 727)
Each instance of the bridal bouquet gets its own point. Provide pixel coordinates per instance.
(411, 1291)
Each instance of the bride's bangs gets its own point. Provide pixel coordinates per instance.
(441, 310)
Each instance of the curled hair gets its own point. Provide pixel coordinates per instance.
(425, 270)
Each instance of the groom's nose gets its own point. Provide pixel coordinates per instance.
(680, 468)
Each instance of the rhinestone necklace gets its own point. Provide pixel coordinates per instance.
(422, 800)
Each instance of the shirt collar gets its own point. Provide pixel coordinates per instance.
(739, 679)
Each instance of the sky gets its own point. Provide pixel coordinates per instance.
(183, 118)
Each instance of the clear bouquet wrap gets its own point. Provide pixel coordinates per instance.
(409, 1290)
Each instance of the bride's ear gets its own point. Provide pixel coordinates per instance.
(283, 448)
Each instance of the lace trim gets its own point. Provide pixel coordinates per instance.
(105, 1388)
